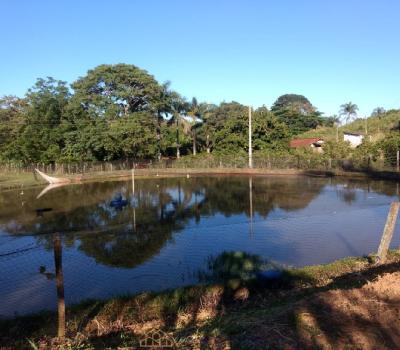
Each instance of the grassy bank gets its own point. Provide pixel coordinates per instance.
(303, 309)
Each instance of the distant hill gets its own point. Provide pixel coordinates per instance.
(377, 127)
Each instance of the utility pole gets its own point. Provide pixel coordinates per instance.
(250, 141)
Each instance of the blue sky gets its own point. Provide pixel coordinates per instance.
(249, 51)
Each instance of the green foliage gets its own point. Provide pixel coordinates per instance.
(40, 138)
(390, 146)
(297, 113)
(120, 111)
(112, 91)
(268, 132)
(336, 150)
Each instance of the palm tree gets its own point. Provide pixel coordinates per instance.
(178, 108)
(194, 113)
(205, 111)
(162, 106)
(379, 112)
(349, 110)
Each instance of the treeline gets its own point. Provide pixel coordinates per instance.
(120, 111)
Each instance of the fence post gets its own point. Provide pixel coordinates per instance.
(397, 160)
(388, 232)
(60, 285)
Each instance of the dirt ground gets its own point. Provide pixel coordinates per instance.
(358, 318)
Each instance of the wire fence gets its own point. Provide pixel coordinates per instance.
(27, 281)
(301, 162)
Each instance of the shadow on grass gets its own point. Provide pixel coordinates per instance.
(346, 303)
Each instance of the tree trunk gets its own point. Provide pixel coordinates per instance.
(159, 135)
(208, 143)
(194, 143)
(194, 134)
(178, 151)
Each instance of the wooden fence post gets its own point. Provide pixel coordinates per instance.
(388, 232)
(60, 285)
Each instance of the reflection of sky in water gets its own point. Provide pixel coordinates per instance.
(179, 224)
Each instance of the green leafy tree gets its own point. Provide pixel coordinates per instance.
(336, 150)
(41, 139)
(390, 145)
(229, 127)
(112, 91)
(194, 112)
(12, 119)
(268, 132)
(177, 122)
(297, 112)
(206, 128)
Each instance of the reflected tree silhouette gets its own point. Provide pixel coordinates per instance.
(155, 210)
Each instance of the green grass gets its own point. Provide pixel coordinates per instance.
(18, 180)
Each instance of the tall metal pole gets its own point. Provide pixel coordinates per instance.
(250, 141)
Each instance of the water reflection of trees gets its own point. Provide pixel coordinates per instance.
(129, 235)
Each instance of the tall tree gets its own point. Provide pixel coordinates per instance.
(349, 111)
(378, 112)
(194, 113)
(12, 119)
(41, 139)
(293, 102)
(112, 91)
(178, 108)
(206, 128)
(297, 112)
(269, 132)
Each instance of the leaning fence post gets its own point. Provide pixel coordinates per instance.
(60, 285)
(388, 232)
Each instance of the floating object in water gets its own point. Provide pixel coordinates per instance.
(118, 202)
(51, 179)
(40, 211)
(49, 275)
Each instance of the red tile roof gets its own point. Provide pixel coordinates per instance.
(304, 142)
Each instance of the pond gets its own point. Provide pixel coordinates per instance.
(127, 237)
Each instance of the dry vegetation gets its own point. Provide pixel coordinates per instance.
(350, 304)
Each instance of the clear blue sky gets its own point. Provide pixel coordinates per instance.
(249, 51)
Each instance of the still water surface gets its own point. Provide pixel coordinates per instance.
(125, 237)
